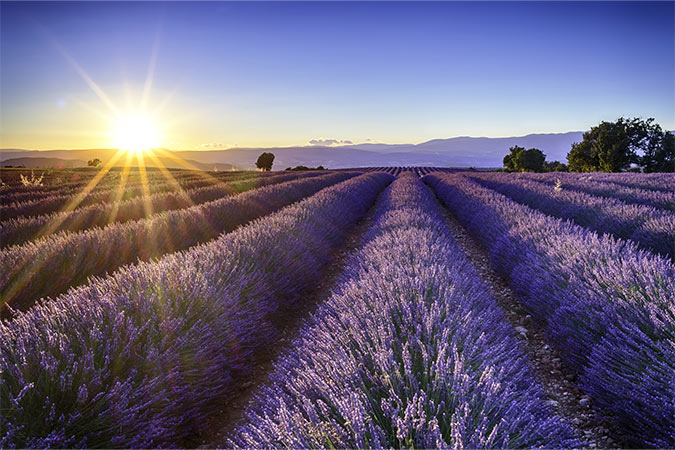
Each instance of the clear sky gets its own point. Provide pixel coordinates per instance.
(222, 74)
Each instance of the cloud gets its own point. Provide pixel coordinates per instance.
(213, 145)
(323, 141)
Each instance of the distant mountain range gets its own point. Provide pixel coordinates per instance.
(78, 158)
(454, 152)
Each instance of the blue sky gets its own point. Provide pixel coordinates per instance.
(257, 74)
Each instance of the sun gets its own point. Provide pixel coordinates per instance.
(135, 132)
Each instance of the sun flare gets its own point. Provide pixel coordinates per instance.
(135, 132)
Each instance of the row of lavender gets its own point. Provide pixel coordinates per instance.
(607, 306)
(652, 228)
(104, 180)
(59, 200)
(51, 265)
(141, 358)
(72, 181)
(650, 181)
(411, 351)
(641, 196)
(22, 229)
(419, 171)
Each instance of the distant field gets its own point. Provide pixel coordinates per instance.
(356, 308)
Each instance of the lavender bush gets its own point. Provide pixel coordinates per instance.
(22, 229)
(640, 196)
(652, 228)
(53, 264)
(33, 203)
(608, 306)
(651, 181)
(411, 351)
(138, 359)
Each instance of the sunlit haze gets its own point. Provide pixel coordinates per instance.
(218, 75)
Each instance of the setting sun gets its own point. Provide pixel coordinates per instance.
(135, 132)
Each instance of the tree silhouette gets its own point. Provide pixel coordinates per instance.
(265, 161)
(94, 162)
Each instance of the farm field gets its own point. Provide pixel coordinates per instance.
(356, 308)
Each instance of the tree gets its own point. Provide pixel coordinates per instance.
(521, 160)
(615, 146)
(555, 166)
(94, 162)
(660, 157)
(265, 161)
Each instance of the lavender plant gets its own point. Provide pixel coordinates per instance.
(653, 229)
(411, 351)
(608, 306)
(648, 197)
(139, 359)
(651, 181)
(33, 203)
(52, 265)
(22, 229)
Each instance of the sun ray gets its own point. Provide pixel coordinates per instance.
(90, 82)
(151, 74)
(169, 177)
(119, 192)
(77, 199)
(145, 185)
(22, 281)
(185, 164)
(103, 115)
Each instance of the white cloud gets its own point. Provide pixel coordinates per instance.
(324, 141)
(212, 145)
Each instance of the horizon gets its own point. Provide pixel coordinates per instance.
(205, 76)
(308, 145)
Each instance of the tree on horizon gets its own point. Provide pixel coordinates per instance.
(265, 161)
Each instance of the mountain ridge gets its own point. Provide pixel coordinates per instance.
(460, 151)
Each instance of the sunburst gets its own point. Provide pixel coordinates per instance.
(135, 132)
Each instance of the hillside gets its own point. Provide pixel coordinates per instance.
(457, 152)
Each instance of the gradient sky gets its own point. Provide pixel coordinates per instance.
(263, 74)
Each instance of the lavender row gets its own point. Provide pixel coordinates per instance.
(608, 306)
(411, 351)
(142, 358)
(53, 264)
(653, 198)
(653, 229)
(111, 179)
(22, 229)
(651, 181)
(79, 198)
(75, 180)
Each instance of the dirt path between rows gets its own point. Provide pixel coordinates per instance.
(215, 432)
(557, 380)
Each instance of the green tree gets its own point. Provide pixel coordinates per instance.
(614, 146)
(555, 166)
(94, 162)
(521, 160)
(660, 153)
(265, 161)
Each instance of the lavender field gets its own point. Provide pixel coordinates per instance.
(383, 307)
